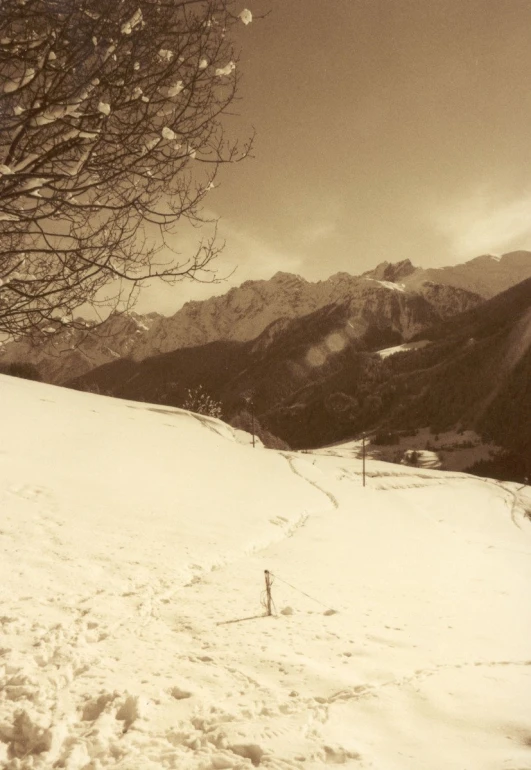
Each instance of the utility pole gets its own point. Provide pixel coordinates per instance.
(248, 399)
(252, 420)
(363, 457)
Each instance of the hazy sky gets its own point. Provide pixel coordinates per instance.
(386, 129)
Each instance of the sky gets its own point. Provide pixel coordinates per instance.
(386, 130)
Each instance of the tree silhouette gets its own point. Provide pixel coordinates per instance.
(111, 135)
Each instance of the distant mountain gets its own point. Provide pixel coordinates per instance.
(278, 360)
(74, 352)
(245, 312)
(315, 380)
(485, 275)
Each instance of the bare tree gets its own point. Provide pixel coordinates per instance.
(111, 135)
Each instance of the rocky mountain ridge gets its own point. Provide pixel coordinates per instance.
(244, 312)
(486, 275)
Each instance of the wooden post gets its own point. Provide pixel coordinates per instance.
(269, 600)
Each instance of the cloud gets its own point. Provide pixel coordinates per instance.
(482, 223)
(318, 231)
(253, 257)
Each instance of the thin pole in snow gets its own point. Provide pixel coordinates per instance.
(269, 601)
(252, 418)
(363, 457)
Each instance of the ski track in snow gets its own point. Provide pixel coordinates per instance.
(519, 505)
(364, 691)
(385, 481)
(291, 461)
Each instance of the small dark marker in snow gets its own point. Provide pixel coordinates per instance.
(330, 612)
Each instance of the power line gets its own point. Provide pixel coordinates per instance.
(303, 593)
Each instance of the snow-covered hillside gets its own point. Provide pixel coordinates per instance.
(134, 542)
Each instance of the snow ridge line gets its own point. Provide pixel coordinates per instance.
(209, 425)
(291, 463)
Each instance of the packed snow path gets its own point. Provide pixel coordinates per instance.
(134, 541)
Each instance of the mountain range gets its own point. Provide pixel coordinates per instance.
(315, 382)
(391, 303)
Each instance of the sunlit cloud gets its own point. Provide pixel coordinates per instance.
(481, 223)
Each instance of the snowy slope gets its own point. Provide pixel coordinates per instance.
(386, 352)
(134, 543)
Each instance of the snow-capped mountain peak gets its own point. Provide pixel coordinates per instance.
(244, 312)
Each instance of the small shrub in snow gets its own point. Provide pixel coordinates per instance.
(199, 401)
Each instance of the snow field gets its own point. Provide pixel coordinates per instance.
(134, 541)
